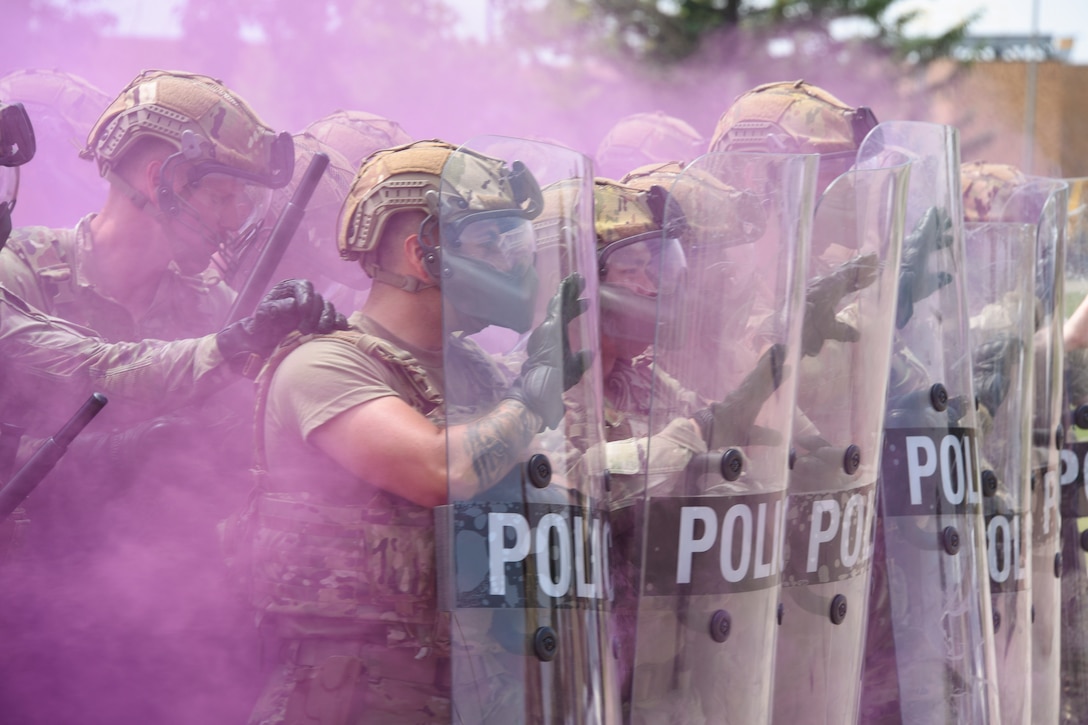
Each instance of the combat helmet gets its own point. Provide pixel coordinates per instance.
(640, 257)
(995, 192)
(795, 117)
(462, 195)
(212, 132)
(357, 134)
(644, 138)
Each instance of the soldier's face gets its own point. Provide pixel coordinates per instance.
(632, 268)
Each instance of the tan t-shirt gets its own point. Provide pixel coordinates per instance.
(324, 377)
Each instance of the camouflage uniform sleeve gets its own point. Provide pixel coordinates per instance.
(18, 277)
(156, 376)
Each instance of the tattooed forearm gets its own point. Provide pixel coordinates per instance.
(494, 443)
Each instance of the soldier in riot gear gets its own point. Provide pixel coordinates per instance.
(1002, 300)
(190, 166)
(644, 138)
(51, 365)
(357, 134)
(845, 340)
(402, 413)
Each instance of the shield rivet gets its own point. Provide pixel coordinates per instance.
(997, 621)
(989, 483)
(540, 470)
(720, 624)
(938, 396)
(545, 644)
(838, 609)
(1080, 416)
(851, 460)
(950, 539)
(1058, 564)
(732, 464)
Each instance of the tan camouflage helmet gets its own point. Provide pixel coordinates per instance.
(644, 138)
(993, 192)
(62, 105)
(357, 134)
(712, 209)
(209, 126)
(451, 186)
(791, 117)
(622, 212)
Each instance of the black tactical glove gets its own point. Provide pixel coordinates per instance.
(932, 233)
(822, 298)
(732, 420)
(993, 364)
(291, 305)
(120, 449)
(551, 368)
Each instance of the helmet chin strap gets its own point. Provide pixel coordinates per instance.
(162, 217)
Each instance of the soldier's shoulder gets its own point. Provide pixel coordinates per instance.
(40, 248)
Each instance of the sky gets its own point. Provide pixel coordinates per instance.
(1059, 18)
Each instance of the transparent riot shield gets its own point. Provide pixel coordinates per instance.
(707, 534)
(846, 342)
(1001, 303)
(1043, 205)
(1074, 458)
(929, 648)
(522, 544)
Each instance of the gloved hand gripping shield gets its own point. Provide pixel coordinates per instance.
(929, 651)
(1001, 304)
(1074, 481)
(699, 549)
(850, 306)
(523, 564)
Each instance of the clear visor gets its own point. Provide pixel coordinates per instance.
(226, 204)
(507, 244)
(645, 264)
(9, 185)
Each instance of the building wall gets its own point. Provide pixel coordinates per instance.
(988, 103)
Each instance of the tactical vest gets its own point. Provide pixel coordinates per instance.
(374, 561)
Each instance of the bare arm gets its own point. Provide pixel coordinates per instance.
(405, 453)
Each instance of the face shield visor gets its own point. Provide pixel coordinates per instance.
(641, 277)
(221, 209)
(488, 268)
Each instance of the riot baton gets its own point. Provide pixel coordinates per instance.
(273, 252)
(27, 478)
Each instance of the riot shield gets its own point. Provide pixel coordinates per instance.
(1001, 303)
(1074, 458)
(1044, 205)
(522, 544)
(705, 548)
(849, 317)
(929, 647)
